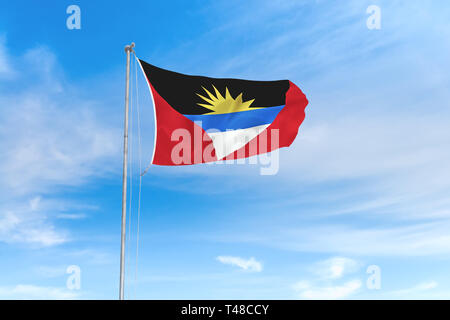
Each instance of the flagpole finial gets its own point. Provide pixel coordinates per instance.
(129, 47)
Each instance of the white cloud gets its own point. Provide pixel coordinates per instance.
(92, 256)
(410, 293)
(246, 264)
(34, 203)
(50, 138)
(8, 221)
(421, 239)
(51, 271)
(426, 285)
(411, 240)
(53, 146)
(335, 268)
(326, 272)
(71, 216)
(384, 147)
(307, 291)
(27, 224)
(25, 291)
(39, 236)
(5, 64)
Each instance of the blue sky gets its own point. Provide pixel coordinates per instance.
(365, 183)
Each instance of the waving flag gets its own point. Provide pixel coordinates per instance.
(202, 119)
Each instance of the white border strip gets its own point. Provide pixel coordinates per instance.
(154, 110)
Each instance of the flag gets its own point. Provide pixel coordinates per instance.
(201, 119)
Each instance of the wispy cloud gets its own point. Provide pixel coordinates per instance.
(325, 274)
(305, 290)
(25, 224)
(251, 265)
(92, 256)
(424, 239)
(424, 290)
(50, 138)
(25, 291)
(335, 268)
(418, 289)
(6, 69)
(71, 216)
(51, 271)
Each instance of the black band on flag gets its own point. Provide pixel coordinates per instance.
(182, 91)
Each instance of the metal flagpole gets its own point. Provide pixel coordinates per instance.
(128, 50)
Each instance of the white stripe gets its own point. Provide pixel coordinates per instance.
(227, 142)
(154, 110)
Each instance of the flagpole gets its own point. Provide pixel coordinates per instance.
(128, 50)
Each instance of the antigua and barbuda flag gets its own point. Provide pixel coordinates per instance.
(201, 119)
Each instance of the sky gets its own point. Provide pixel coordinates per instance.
(359, 208)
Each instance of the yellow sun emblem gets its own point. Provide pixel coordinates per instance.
(219, 104)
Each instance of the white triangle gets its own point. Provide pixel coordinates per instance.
(226, 142)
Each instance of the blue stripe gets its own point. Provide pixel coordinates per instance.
(237, 120)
